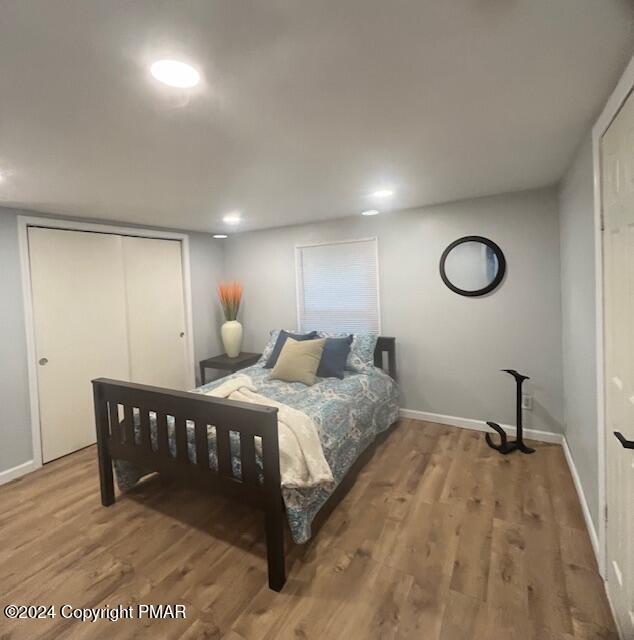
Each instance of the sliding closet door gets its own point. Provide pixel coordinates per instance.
(77, 283)
(156, 312)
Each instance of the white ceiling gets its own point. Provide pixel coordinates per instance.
(306, 106)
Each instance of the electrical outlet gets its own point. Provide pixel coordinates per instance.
(527, 402)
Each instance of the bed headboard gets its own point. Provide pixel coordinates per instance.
(386, 348)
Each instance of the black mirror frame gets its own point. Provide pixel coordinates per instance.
(490, 287)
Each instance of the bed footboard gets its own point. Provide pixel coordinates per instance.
(116, 404)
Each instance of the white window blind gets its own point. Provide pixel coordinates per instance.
(337, 287)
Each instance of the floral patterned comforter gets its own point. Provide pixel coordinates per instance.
(349, 414)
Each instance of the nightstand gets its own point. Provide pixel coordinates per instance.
(225, 363)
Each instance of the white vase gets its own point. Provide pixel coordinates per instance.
(231, 332)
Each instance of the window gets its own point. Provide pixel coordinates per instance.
(337, 287)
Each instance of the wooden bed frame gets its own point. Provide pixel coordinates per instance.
(115, 439)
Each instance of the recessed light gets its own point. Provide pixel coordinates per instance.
(232, 218)
(383, 193)
(175, 73)
(370, 212)
(220, 236)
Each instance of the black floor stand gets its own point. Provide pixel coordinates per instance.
(505, 446)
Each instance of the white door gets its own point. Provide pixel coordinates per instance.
(156, 312)
(77, 282)
(617, 181)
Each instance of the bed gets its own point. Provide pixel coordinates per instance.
(143, 429)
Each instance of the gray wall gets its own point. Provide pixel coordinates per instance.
(576, 227)
(206, 261)
(450, 348)
(15, 428)
(207, 268)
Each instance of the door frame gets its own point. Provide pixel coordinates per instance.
(26, 221)
(620, 94)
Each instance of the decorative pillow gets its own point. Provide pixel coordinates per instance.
(281, 340)
(361, 357)
(268, 349)
(334, 357)
(299, 360)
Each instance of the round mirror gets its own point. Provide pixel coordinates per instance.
(472, 266)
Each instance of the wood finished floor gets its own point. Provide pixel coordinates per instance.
(439, 538)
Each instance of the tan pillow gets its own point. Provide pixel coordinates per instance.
(298, 361)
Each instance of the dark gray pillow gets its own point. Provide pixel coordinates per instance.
(334, 357)
(281, 340)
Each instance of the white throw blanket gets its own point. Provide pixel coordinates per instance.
(302, 461)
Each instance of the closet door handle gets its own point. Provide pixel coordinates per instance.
(43, 361)
(182, 334)
(627, 444)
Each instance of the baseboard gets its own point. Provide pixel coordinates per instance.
(617, 620)
(594, 538)
(16, 472)
(480, 425)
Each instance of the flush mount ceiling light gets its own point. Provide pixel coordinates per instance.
(220, 236)
(383, 193)
(232, 218)
(370, 212)
(175, 73)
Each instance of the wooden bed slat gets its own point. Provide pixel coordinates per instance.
(161, 433)
(115, 427)
(247, 458)
(128, 425)
(223, 448)
(181, 439)
(144, 418)
(202, 445)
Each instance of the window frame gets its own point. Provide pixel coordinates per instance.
(299, 272)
